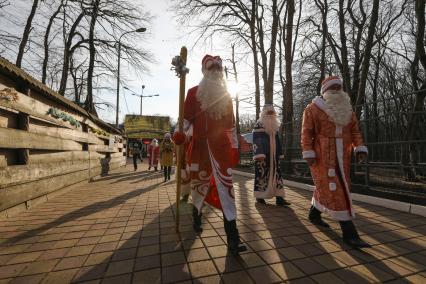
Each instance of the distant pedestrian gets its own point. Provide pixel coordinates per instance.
(166, 155)
(136, 155)
(153, 154)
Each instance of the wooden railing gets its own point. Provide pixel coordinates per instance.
(48, 143)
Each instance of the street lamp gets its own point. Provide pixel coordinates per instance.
(142, 96)
(140, 30)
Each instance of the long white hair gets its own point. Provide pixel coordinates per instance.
(213, 94)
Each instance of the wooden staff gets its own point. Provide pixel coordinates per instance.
(181, 71)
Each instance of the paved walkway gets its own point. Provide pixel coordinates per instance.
(120, 229)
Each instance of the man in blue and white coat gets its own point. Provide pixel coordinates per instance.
(268, 182)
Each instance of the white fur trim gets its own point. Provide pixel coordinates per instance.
(361, 149)
(319, 102)
(308, 154)
(339, 152)
(259, 130)
(194, 167)
(336, 81)
(332, 186)
(255, 157)
(336, 215)
(331, 172)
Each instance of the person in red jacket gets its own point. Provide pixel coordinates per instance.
(213, 148)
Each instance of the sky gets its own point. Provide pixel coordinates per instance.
(164, 39)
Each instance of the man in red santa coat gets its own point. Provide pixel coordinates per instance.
(213, 149)
(153, 154)
(330, 133)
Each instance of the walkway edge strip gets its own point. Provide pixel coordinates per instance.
(383, 202)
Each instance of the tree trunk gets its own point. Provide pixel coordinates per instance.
(46, 44)
(288, 93)
(255, 58)
(367, 54)
(67, 56)
(408, 156)
(269, 86)
(344, 51)
(26, 34)
(90, 107)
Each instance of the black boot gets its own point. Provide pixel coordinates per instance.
(350, 235)
(233, 237)
(197, 220)
(156, 169)
(260, 201)
(165, 174)
(315, 218)
(185, 198)
(280, 201)
(169, 170)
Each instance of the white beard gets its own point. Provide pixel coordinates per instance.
(213, 95)
(270, 123)
(338, 107)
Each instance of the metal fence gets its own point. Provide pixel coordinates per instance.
(396, 167)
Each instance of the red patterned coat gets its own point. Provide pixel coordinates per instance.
(331, 145)
(211, 155)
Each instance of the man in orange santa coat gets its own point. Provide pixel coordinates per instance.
(213, 148)
(330, 132)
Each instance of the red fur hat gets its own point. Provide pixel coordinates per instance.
(331, 82)
(209, 61)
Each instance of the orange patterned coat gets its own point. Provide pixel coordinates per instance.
(331, 145)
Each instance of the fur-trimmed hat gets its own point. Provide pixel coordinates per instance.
(167, 136)
(329, 82)
(209, 61)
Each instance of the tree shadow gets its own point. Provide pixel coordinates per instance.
(158, 253)
(82, 212)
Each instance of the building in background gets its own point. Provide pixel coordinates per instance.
(144, 128)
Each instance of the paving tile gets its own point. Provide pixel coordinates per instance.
(71, 262)
(88, 273)
(124, 254)
(122, 279)
(98, 258)
(263, 274)
(287, 270)
(25, 257)
(373, 272)
(175, 273)
(54, 253)
(237, 277)
(41, 266)
(63, 276)
(30, 279)
(251, 260)
(152, 276)
(327, 277)
(271, 256)
(227, 264)
(147, 262)
(214, 279)
(173, 258)
(202, 268)
(80, 250)
(197, 254)
(218, 251)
